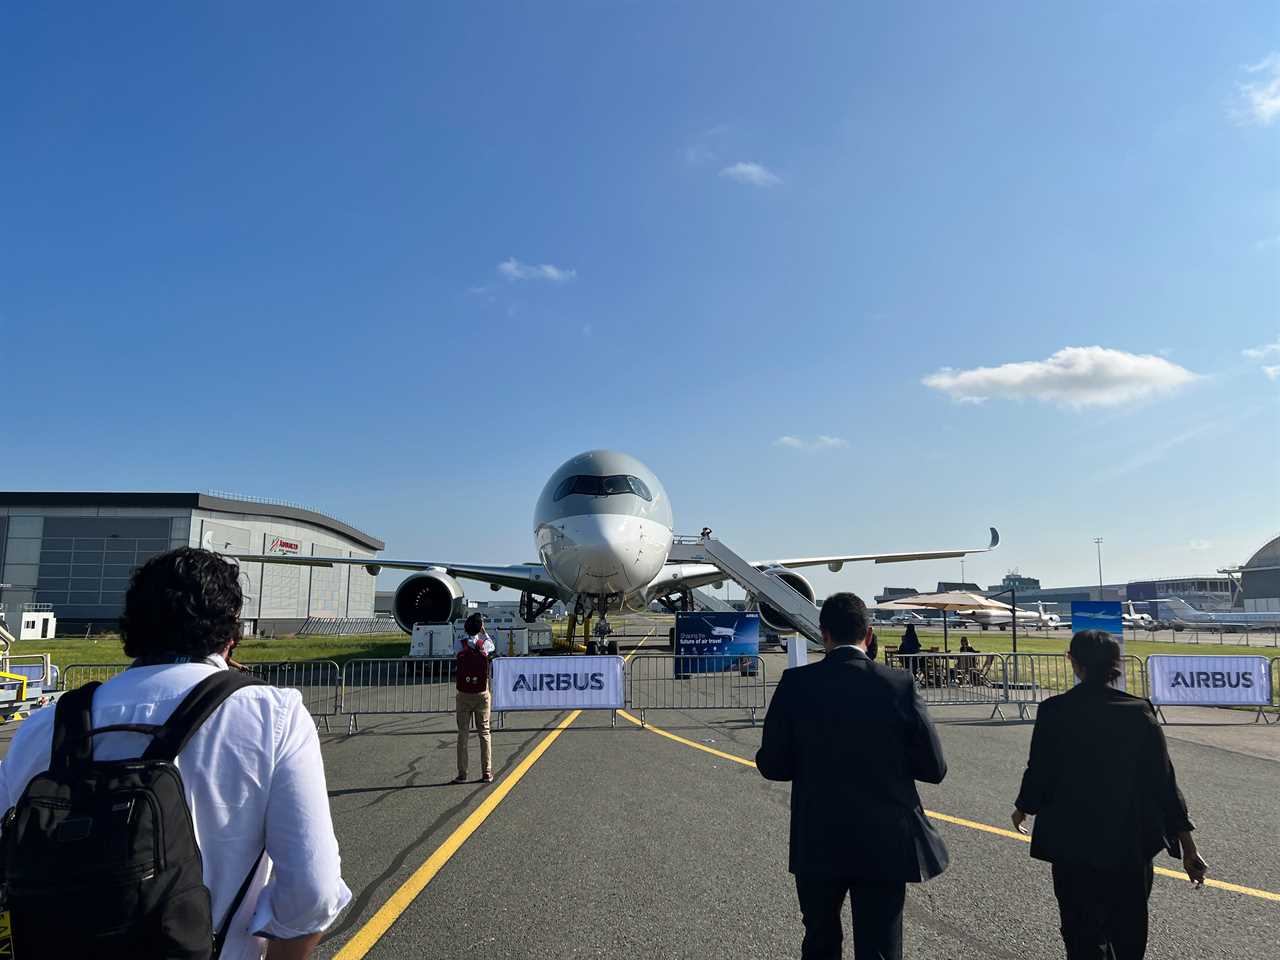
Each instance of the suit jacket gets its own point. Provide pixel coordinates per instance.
(853, 736)
(1099, 781)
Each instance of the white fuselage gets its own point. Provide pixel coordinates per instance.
(603, 529)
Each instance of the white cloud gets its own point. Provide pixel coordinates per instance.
(1074, 377)
(1273, 373)
(820, 442)
(513, 269)
(1259, 98)
(1260, 353)
(752, 174)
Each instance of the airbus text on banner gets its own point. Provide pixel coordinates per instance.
(557, 683)
(1209, 681)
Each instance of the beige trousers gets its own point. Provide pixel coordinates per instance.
(474, 705)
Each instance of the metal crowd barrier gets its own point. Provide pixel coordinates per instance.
(950, 679)
(319, 682)
(704, 682)
(400, 685)
(78, 674)
(1018, 680)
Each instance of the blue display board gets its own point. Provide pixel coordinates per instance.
(1097, 615)
(714, 642)
(1100, 615)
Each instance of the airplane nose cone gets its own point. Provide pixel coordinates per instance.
(605, 553)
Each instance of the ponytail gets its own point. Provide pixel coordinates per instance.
(1098, 655)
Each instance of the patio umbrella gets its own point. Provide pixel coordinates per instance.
(951, 601)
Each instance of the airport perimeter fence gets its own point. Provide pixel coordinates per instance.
(1220, 636)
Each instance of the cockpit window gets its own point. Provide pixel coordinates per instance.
(589, 486)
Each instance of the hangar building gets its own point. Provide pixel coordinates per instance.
(76, 551)
(1260, 579)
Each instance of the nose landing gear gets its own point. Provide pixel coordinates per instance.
(601, 644)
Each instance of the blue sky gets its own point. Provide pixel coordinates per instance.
(399, 262)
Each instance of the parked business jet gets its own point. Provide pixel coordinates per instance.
(1182, 615)
(1002, 618)
(603, 531)
(1132, 618)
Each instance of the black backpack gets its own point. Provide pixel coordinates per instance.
(100, 857)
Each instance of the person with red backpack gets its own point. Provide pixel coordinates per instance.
(473, 697)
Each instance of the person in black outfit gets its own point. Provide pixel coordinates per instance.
(910, 642)
(1105, 798)
(853, 737)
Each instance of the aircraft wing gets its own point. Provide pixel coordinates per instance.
(518, 576)
(835, 562)
(678, 576)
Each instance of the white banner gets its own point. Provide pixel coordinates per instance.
(1209, 681)
(557, 683)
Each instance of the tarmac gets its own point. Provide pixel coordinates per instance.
(664, 842)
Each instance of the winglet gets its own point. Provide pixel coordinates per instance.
(995, 539)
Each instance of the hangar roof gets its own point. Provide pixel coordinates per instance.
(225, 503)
(1267, 557)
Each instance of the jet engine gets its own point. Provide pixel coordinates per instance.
(431, 597)
(771, 615)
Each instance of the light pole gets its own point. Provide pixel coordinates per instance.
(1098, 542)
(962, 572)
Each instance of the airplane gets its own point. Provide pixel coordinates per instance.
(604, 531)
(1185, 615)
(1132, 618)
(724, 633)
(1002, 618)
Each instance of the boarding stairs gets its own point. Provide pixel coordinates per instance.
(7, 639)
(709, 601)
(802, 613)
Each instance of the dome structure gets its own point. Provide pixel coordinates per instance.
(1260, 578)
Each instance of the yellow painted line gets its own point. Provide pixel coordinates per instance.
(389, 912)
(960, 821)
(688, 743)
(627, 658)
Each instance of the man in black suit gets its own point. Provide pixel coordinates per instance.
(853, 737)
(1102, 789)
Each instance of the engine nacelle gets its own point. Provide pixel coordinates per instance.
(431, 597)
(773, 617)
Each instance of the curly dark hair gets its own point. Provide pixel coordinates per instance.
(183, 603)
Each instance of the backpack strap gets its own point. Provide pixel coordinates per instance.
(220, 937)
(72, 721)
(204, 698)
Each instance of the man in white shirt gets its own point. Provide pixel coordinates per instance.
(253, 772)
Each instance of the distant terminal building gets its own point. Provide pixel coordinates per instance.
(1207, 591)
(76, 551)
(1029, 590)
(895, 593)
(1260, 579)
(1013, 580)
(946, 586)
